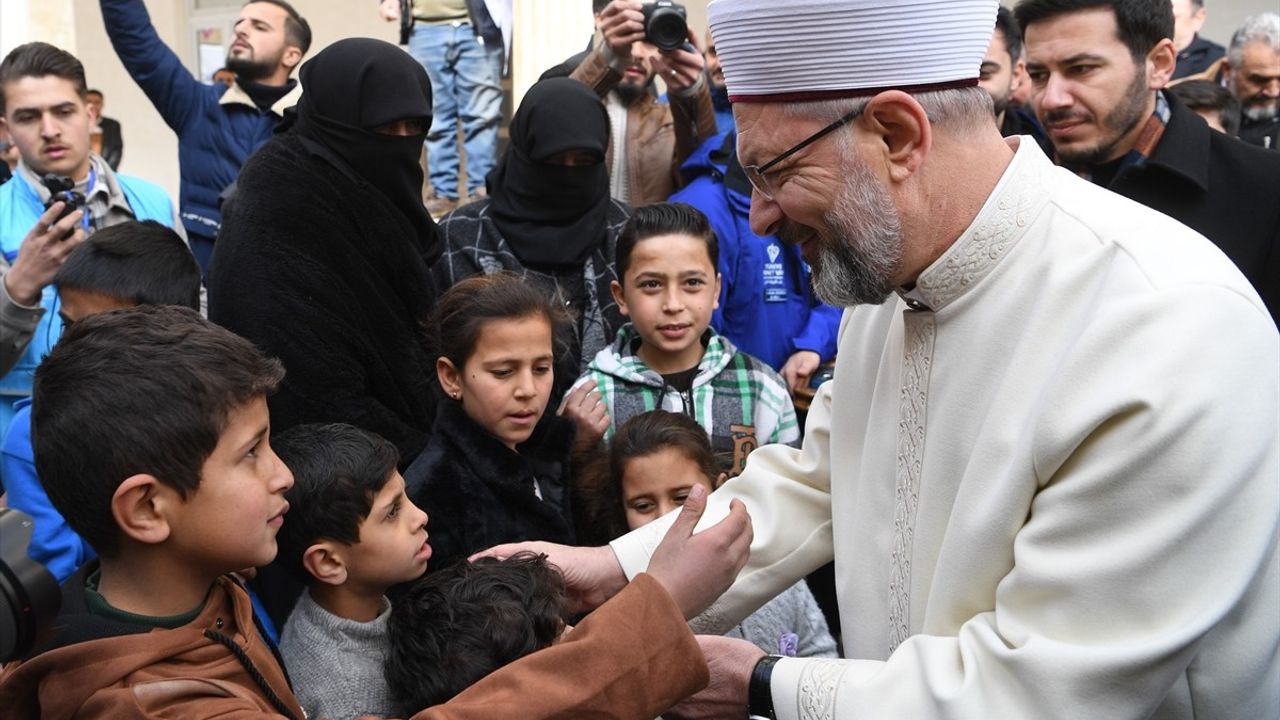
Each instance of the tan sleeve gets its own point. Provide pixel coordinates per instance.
(695, 122)
(634, 657)
(596, 73)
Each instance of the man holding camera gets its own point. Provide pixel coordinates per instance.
(649, 139)
(60, 192)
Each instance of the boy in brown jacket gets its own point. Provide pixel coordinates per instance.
(151, 435)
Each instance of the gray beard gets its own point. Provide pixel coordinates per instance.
(1256, 113)
(857, 265)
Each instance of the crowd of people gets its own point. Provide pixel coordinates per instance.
(979, 304)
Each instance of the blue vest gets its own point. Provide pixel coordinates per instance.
(20, 208)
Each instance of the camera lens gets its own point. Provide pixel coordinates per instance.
(665, 26)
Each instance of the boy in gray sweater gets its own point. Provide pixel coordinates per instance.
(352, 533)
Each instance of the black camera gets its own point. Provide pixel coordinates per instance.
(29, 594)
(62, 189)
(666, 24)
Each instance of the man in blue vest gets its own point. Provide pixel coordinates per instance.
(42, 101)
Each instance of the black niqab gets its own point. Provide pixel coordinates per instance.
(552, 215)
(359, 84)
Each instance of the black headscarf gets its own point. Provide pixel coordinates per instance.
(354, 86)
(551, 215)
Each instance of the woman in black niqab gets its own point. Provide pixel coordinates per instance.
(551, 213)
(366, 104)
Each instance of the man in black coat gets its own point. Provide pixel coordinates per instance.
(1097, 68)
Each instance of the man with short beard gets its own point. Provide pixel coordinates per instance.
(1253, 75)
(1046, 465)
(1098, 68)
(218, 127)
(649, 139)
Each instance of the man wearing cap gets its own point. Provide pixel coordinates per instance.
(1046, 467)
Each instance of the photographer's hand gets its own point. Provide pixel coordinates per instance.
(622, 23)
(681, 69)
(42, 253)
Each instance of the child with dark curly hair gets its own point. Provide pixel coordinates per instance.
(457, 625)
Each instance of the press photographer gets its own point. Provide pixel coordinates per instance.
(638, 42)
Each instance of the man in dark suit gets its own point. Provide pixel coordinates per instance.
(105, 134)
(1098, 69)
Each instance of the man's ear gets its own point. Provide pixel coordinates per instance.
(325, 561)
(902, 131)
(1160, 64)
(143, 507)
(615, 287)
(449, 376)
(291, 57)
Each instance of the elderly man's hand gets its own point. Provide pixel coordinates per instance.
(730, 662)
(697, 569)
(622, 23)
(389, 10)
(42, 253)
(591, 574)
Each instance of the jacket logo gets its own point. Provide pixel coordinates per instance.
(744, 441)
(774, 251)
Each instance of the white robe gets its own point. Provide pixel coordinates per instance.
(1051, 491)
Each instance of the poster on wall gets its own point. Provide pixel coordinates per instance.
(211, 52)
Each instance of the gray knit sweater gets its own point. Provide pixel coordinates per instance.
(793, 613)
(336, 664)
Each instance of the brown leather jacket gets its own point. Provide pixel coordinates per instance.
(659, 136)
(634, 657)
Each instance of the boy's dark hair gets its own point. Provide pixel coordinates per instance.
(1140, 24)
(144, 262)
(456, 625)
(337, 469)
(95, 91)
(463, 310)
(641, 436)
(142, 390)
(1007, 26)
(598, 6)
(40, 59)
(1209, 95)
(649, 221)
(297, 31)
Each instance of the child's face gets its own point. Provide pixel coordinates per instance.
(506, 381)
(669, 291)
(230, 521)
(654, 485)
(393, 540)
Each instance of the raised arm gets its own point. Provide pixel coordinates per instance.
(153, 65)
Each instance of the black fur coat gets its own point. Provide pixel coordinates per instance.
(478, 493)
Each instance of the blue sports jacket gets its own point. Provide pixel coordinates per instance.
(767, 307)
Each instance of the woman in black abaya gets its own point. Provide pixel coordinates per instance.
(548, 217)
(323, 255)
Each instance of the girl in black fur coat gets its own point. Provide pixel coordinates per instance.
(495, 470)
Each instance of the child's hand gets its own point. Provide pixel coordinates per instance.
(586, 408)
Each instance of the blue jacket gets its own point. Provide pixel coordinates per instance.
(218, 128)
(20, 208)
(53, 543)
(766, 307)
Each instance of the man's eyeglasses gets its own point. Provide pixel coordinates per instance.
(756, 173)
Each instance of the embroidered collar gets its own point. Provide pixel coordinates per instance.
(1017, 199)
